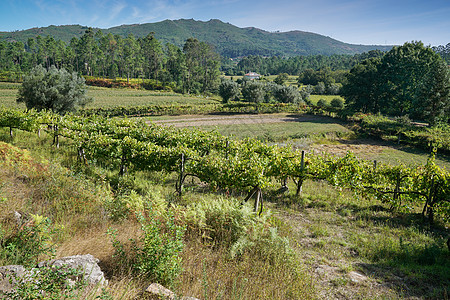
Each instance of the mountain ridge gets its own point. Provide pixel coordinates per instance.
(229, 40)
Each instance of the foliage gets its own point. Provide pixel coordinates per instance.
(253, 91)
(29, 242)
(321, 103)
(55, 90)
(243, 165)
(228, 90)
(281, 78)
(156, 254)
(409, 79)
(50, 283)
(287, 94)
(337, 103)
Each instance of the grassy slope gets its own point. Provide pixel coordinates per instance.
(335, 234)
(62, 196)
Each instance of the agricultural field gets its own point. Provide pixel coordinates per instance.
(305, 132)
(327, 242)
(107, 98)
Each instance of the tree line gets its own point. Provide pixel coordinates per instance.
(194, 68)
(410, 80)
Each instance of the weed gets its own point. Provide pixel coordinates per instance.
(155, 255)
(29, 242)
(52, 283)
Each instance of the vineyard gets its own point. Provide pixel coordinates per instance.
(248, 166)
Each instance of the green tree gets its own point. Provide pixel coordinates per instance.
(397, 83)
(362, 91)
(433, 103)
(55, 90)
(152, 55)
(202, 64)
(287, 94)
(281, 78)
(337, 103)
(253, 91)
(228, 90)
(320, 88)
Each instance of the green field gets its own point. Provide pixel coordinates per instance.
(315, 98)
(107, 98)
(276, 132)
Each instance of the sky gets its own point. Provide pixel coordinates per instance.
(367, 22)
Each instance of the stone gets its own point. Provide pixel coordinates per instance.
(7, 272)
(159, 292)
(88, 263)
(356, 277)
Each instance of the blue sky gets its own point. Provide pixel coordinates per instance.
(352, 21)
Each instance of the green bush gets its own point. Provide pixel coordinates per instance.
(321, 103)
(226, 222)
(50, 283)
(156, 254)
(28, 243)
(337, 103)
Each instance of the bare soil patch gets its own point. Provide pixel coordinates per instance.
(211, 120)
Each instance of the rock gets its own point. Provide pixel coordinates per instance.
(89, 264)
(158, 292)
(8, 272)
(357, 277)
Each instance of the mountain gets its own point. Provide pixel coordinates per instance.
(229, 40)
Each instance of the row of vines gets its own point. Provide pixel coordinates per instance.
(226, 163)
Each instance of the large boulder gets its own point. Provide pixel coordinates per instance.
(93, 275)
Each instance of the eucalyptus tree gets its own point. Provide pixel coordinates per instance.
(152, 55)
(202, 64)
(253, 91)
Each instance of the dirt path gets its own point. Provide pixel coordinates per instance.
(211, 120)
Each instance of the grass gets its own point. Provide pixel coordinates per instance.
(334, 233)
(399, 254)
(82, 204)
(107, 98)
(276, 132)
(315, 98)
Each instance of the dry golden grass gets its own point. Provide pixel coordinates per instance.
(211, 274)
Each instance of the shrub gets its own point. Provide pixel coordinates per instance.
(227, 223)
(156, 254)
(337, 103)
(321, 103)
(51, 283)
(28, 242)
(228, 90)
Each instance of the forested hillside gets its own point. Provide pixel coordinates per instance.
(229, 40)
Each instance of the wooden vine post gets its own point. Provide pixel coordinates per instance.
(301, 178)
(123, 166)
(396, 196)
(258, 199)
(55, 136)
(181, 178)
